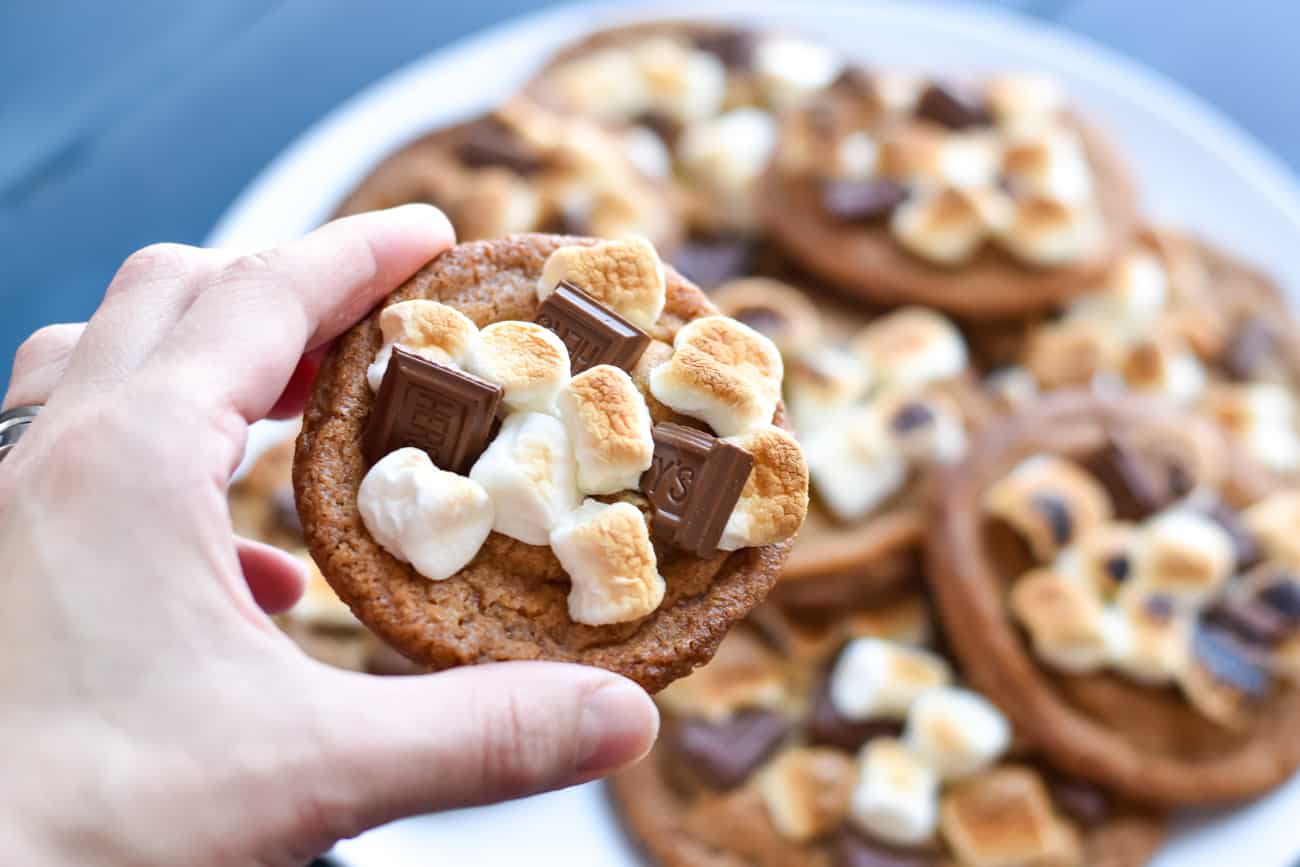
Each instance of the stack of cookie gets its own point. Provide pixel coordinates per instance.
(1047, 586)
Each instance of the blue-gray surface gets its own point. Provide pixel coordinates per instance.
(132, 122)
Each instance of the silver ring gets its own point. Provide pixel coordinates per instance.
(13, 424)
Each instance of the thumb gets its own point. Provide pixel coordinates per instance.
(401, 746)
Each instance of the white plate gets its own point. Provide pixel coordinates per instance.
(1197, 171)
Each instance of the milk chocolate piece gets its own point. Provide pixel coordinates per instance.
(951, 109)
(733, 48)
(1229, 661)
(710, 262)
(1243, 543)
(1057, 515)
(1135, 486)
(489, 143)
(862, 198)
(433, 407)
(693, 484)
(827, 727)
(1251, 346)
(724, 754)
(1083, 802)
(593, 333)
(854, 850)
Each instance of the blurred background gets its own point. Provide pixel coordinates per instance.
(123, 124)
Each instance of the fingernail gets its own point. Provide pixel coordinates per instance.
(618, 726)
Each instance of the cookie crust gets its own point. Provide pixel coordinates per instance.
(509, 602)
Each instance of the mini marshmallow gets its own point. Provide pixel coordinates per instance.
(430, 329)
(605, 83)
(529, 472)
(1263, 417)
(722, 372)
(1071, 352)
(529, 362)
(875, 679)
(928, 429)
(1102, 559)
(897, 92)
(956, 731)
(728, 153)
(1135, 295)
(789, 68)
(319, 605)
(1063, 619)
(499, 203)
(897, 796)
(1274, 522)
(1164, 370)
(606, 550)
(1051, 165)
(744, 673)
(1146, 637)
(1014, 386)
(943, 225)
(1185, 556)
(856, 155)
(774, 501)
(969, 159)
(609, 425)
(430, 518)
(777, 310)
(807, 791)
(1024, 104)
(912, 347)
(647, 153)
(625, 276)
(855, 465)
(1050, 502)
(822, 383)
(686, 84)
(911, 155)
(1049, 233)
(1004, 818)
(908, 620)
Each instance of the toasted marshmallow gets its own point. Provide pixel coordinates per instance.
(319, 604)
(1071, 352)
(969, 159)
(1050, 502)
(529, 472)
(609, 425)
(1263, 417)
(606, 550)
(1185, 556)
(723, 373)
(943, 225)
(686, 84)
(897, 91)
(875, 679)
(1005, 817)
(897, 796)
(625, 276)
(1050, 233)
(912, 347)
(1134, 296)
(855, 465)
(1102, 559)
(956, 731)
(727, 153)
(744, 673)
(1274, 522)
(821, 384)
(529, 362)
(904, 621)
(855, 155)
(1161, 369)
(500, 203)
(911, 155)
(1064, 620)
(1147, 637)
(928, 429)
(647, 153)
(1024, 104)
(807, 790)
(1051, 165)
(775, 309)
(606, 83)
(774, 501)
(430, 518)
(789, 68)
(1013, 386)
(430, 329)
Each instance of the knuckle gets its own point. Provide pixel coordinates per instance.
(45, 345)
(259, 267)
(520, 750)
(152, 262)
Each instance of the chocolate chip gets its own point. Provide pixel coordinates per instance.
(1228, 662)
(693, 484)
(862, 198)
(489, 142)
(284, 510)
(1159, 607)
(1251, 620)
(564, 221)
(910, 417)
(764, 320)
(827, 727)
(1118, 567)
(1057, 514)
(1283, 596)
(710, 262)
(735, 48)
(1243, 543)
(725, 753)
(1251, 345)
(1136, 489)
(662, 124)
(1083, 802)
(855, 80)
(951, 109)
(854, 850)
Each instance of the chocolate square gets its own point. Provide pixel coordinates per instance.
(593, 333)
(693, 483)
(443, 411)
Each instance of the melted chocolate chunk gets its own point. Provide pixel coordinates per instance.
(490, 143)
(1243, 543)
(1136, 488)
(1119, 568)
(1083, 802)
(827, 727)
(1251, 346)
(735, 48)
(1228, 662)
(724, 754)
(950, 109)
(854, 850)
(910, 417)
(1283, 596)
(662, 124)
(712, 262)
(862, 199)
(1057, 514)
(1251, 620)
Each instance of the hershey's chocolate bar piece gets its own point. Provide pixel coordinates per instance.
(693, 483)
(1082, 802)
(862, 198)
(593, 333)
(854, 850)
(489, 143)
(951, 109)
(725, 753)
(710, 262)
(433, 407)
(827, 727)
(1133, 480)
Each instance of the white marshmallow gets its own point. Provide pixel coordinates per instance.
(1146, 641)
(1052, 165)
(855, 155)
(1185, 556)
(897, 91)
(774, 501)
(822, 383)
(897, 796)
(605, 84)
(1063, 618)
(1262, 417)
(1048, 233)
(626, 276)
(687, 84)
(529, 472)
(807, 791)
(1164, 369)
(529, 362)
(969, 159)
(647, 153)
(1274, 522)
(430, 518)
(606, 550)
(1134, 296)
(1050, 501)
(912, 347)
(1024, 103)
(874, 678)
(789, 68)
(727, 153)
(927, 429)
(430, 329)
(956, 731)
(943, 225)
(855, 465)
(609, 425)
(1101, 559)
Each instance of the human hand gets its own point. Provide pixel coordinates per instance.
(152, 713)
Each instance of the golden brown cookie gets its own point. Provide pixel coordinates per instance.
(757, 765)
(509, 602)
(1112, 579)
(901, 191)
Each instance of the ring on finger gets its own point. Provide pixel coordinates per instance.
(13, 424)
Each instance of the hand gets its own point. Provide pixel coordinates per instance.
(150, 712)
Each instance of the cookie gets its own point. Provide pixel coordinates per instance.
(523, 169)
(1111, 578)
(710, 95)
(878, 400)
(623, 517)
(900, 190)
(811, 740)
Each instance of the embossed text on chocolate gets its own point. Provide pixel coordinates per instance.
(592, 332)
(693, 483)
